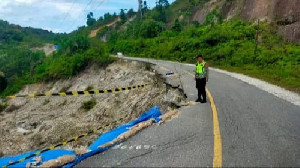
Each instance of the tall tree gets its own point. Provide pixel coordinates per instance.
(90, 19)
(164, 3)
(130, 13)
(123, 16)
(140, 7)
(145, 7)
(160, 8)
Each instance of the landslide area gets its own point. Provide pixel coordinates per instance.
(28, 124)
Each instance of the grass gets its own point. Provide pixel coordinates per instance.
(88, 105)
(291, 84)
(89, 88)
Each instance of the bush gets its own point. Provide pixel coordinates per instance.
(88, 105)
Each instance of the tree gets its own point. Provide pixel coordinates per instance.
(164, 3)
(123, 16)
(101, 18)
(160, 11)
(90, 19)
(145, 7)
(150, 28)
(130, 13)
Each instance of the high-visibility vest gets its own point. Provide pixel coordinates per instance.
(201, 69)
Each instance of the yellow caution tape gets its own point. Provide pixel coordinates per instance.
(76, 93)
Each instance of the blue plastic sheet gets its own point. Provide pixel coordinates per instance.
(109, 136)
(56, 47)
(46, 156)
(93, 149)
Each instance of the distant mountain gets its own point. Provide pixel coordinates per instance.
(10, 33)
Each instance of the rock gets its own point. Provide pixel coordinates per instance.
(23, 131)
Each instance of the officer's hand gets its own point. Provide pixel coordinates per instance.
(206, 79)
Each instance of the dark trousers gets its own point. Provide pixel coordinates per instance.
(200, 85)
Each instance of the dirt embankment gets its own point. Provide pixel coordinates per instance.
(48, 49)
(35, 123)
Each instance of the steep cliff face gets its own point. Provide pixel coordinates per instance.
(284, 13)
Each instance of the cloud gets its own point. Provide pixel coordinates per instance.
(25, 1)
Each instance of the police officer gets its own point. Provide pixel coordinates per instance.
(201, 78)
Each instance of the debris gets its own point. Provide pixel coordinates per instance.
(128, 134)
(190, 103)
(80, 151)
(168, 116)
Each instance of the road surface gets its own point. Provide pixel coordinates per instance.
(256, 129)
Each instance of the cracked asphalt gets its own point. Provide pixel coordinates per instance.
(257, 129)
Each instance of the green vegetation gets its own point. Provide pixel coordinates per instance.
(88, 105)
(225, 44)
(20, 65)
(17, 60)
(89, 88)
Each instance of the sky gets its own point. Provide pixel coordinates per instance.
(60, 15)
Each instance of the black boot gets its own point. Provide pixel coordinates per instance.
(198, 100)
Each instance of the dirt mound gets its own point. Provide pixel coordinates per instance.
(35, 123)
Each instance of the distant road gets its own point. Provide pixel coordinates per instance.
(257, 129)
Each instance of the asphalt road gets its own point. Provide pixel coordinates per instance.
(257, 129)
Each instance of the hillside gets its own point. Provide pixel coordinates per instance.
(15, 34)
(21, 49)
(225, 32)
(285, 15)
(23, 56)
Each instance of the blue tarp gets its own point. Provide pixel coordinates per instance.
(103, 139)
(56, 47)
(46, 156)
